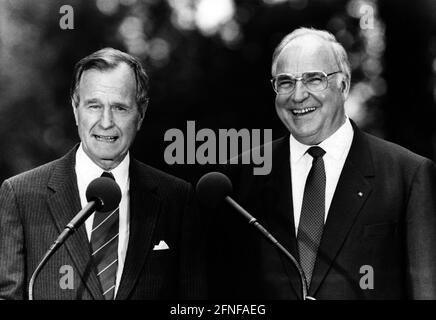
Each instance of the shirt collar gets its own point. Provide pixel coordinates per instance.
(334, 146)
(88, 170)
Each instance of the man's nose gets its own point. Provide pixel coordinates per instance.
(300, 93)
(106, 120)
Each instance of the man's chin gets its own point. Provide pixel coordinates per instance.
(106, 161)
(107, 164)
(309, 136)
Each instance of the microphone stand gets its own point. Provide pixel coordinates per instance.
(253, 221)
(69, 230)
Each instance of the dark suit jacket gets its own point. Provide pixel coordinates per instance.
(383, 215)
(36, 206)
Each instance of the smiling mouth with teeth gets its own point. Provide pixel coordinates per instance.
(302, 112)
(106, 138)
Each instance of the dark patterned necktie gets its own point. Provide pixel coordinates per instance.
(104, 243)
(312, 213)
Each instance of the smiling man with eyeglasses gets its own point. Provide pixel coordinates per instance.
(311, 78)
(357, 212)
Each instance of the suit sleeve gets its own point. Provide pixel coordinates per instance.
(192, 253)
(421, 233)
(12, 265)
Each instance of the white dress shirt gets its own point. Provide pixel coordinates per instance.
(336, 147)
(86, 171)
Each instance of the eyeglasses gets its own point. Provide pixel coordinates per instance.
(314, 81)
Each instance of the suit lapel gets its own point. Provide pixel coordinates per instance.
(281, 220)
(64, 203)
(144, 209)
(352, 190)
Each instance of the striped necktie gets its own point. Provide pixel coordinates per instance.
(104, 243)
(311, 223)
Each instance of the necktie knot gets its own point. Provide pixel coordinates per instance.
(107, 175)
(316, 152)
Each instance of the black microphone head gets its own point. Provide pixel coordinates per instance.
(212, 188)
(106, 192)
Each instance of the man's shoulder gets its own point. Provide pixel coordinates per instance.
(274, 152)
(158, 177)
(384, 149)
(41, 175)
(36, 176)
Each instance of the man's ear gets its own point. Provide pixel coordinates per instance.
(74, 105)
(345, 87)
(142, 110)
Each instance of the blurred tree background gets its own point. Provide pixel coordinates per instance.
(209, 61)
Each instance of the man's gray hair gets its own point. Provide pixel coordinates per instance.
(338, 50)
(108, 59)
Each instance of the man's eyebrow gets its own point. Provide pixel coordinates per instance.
(93, 100)
(120, 104)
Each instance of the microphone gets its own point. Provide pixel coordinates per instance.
(103, 194)
(215, 187)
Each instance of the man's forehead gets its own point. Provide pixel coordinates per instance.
(116, 84)
(122, 70)
(306, 53)
(120, 77)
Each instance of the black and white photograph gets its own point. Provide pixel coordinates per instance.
(218, 158)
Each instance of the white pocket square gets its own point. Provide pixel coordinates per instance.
(161, 246)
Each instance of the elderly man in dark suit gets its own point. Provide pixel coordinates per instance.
(148, 248)
(357, 212)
